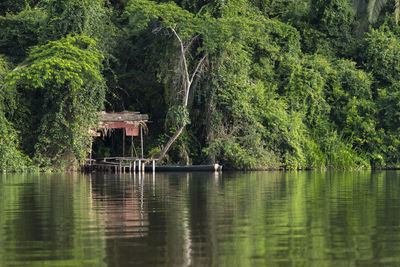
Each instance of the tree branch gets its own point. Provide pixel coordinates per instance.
(189, 81)
(170, 142)
(197, 68)
(183, 54)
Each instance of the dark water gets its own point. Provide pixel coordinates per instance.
(201, 219)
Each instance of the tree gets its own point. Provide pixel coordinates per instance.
(79, 17)
(20, 31)
(368, 12)
(375, 6)
(56, 95)
(142, 14)
(15, 6)
(188, 81)
(11, 158)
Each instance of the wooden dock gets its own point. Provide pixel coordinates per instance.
(119, 164)
(132, 164)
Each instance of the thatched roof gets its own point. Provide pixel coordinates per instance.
(126, 116)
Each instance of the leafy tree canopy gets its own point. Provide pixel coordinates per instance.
(60, 88)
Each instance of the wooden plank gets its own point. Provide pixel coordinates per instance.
(132, 131)
(117, 124)
(123, 116)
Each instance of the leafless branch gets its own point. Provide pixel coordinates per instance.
(183, 54)
(197, 68)
(188, 80)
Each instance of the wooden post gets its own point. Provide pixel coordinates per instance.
(134, 166)
(91, 150)
(130, 166)
(143, 167)
(154, 165)
(123, 141)
(131, 146)
(141, 138)
(120, 166)
(139, 165)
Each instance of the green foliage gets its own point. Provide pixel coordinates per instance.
(4, 68)
(142, 13)
(15, 6)
(285, 84)
(326, 26)
(380, 55)
(178, 116)
(71, 17)
(375, 7)
(65, 76)
(11, 158)
(274, 105)
(20, 31)
(334, 17)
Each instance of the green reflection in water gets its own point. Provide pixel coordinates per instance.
(308, 218)
(201, 219)
(45, 219)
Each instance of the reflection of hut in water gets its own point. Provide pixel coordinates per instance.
(126, 218)
(146, 224)
(123, 212)
(131, 123)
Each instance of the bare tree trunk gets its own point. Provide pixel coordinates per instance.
(187, 85)
(170, 142)
(185, 154)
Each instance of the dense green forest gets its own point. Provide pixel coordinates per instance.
(244, 83)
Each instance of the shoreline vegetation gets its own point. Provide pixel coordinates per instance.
(247, 84)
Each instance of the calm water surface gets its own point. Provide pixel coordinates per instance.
(201, 219)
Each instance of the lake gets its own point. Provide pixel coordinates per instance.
(201, 219)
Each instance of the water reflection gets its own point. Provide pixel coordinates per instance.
(120, 206)
(201, 219)
(43, 219)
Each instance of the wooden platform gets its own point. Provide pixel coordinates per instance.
(128, 164)
(118, 164)
(189, 168)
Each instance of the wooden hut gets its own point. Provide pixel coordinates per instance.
(131, 122)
